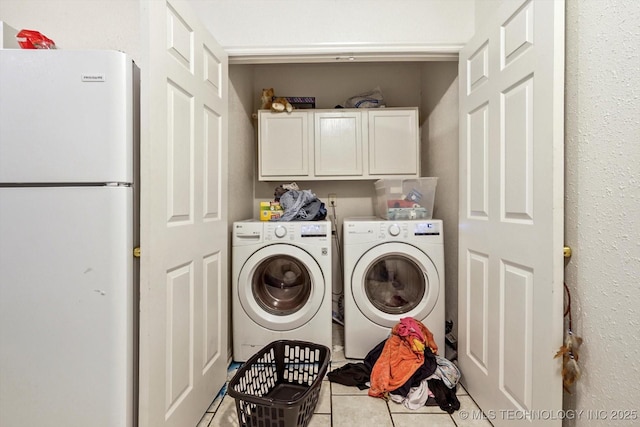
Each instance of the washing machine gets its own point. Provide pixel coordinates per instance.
(281, 284)
(392, 269)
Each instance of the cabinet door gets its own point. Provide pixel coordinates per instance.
(394, 147)
(283, 141)
(338, 143)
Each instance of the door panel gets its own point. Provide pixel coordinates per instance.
(183, 309)
(511, 210)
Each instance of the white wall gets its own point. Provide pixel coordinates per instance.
(241, 155)
(242, 143)
(483, 9)
(602, 201)
(332, 83)
(73, 24)
(440, 158)
(352, 24)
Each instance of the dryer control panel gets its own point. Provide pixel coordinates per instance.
(408, 229)
(427, 228)
(380, 230)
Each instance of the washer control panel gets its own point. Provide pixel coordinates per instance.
(279, 231)
(297, 230)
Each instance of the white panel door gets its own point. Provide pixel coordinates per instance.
(511, 212)
(184, 233)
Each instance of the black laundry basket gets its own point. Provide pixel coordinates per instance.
(279, 386)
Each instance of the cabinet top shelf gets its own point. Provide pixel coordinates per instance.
(321, 110)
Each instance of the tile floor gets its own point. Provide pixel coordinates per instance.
(343, 406)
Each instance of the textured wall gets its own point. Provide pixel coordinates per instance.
(602, 219)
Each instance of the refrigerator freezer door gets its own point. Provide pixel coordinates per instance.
(66, 307)
(65, 116)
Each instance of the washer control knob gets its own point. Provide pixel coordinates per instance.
(280, 231)
(394, 230)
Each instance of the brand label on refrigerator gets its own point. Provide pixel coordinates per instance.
(93, 78)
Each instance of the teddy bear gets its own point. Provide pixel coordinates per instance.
(269, 102)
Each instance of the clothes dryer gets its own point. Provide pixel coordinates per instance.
(392, 269)
(281, 286)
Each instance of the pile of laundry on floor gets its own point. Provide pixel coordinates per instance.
(405, 368)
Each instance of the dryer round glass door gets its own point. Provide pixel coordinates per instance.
(395, 284)
(281, 287)
(395, 280)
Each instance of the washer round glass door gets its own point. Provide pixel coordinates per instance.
(281, 287)
(395, 280)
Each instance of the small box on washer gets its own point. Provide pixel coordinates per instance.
(270, 211)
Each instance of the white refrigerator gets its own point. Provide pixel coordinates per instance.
(69, 141)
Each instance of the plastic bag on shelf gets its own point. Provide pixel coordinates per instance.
(370, 99)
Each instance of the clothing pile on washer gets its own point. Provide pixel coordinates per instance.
(392, 270)
(281, 284)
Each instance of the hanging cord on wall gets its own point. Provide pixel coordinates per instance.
(340, 295)
(569, 350)
(334, 224)
(567, 311)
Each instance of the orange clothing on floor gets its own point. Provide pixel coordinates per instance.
(402, 355)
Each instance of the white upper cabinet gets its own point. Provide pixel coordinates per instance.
(338, 143)
(341, 144)
(394, 145)
(284, 142)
